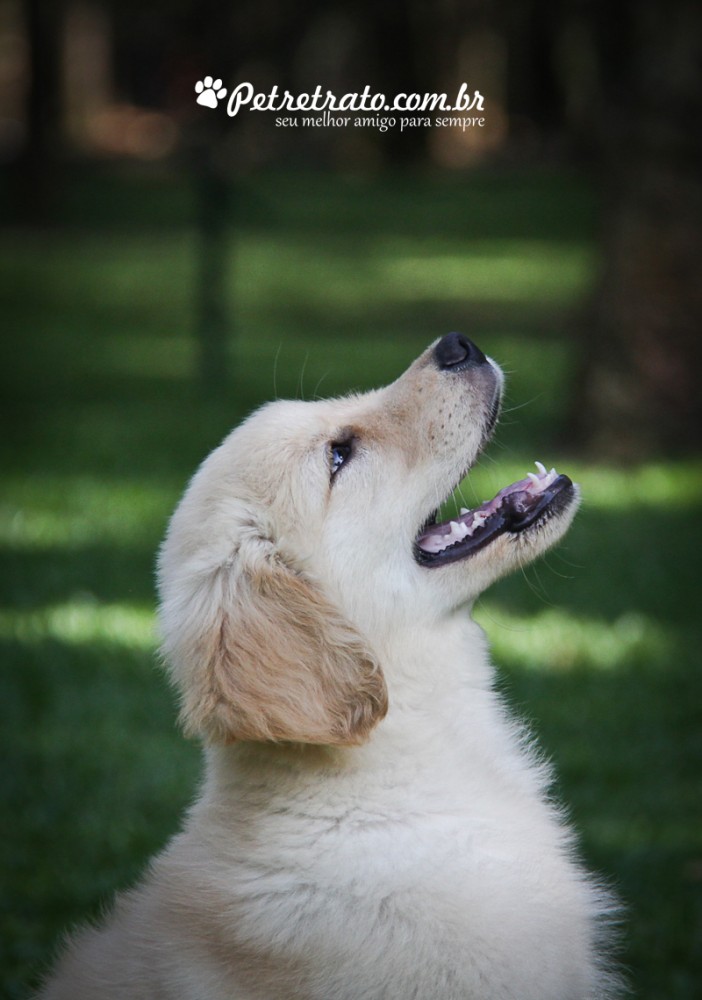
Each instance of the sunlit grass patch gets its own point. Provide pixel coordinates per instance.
(66, 511)
(554, 639)
(142, 271)
(664, 485)
(504, 270)
(143, 356)
(389, 268)
(82, 621)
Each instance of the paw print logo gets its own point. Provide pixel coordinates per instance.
(209, 92)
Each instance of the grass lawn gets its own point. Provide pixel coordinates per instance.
(332, 285)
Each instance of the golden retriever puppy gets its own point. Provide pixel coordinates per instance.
(372, 825)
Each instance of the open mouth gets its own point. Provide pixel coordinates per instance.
(514, 509)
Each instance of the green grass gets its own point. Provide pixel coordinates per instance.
(332, 285)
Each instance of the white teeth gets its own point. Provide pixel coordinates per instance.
(544, 478)
(458, 531)
(435, 544)
(438, 543)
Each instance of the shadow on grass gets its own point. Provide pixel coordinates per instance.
(101, 574)
(489, 204)
(610, 566)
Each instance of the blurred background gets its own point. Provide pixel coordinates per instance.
(164, 268)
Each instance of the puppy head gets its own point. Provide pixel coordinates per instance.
(255, 648)
(304, 543)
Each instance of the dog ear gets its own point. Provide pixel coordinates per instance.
(260, 654)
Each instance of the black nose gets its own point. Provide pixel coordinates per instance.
(456, 351)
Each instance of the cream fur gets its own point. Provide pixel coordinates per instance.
(372, 825)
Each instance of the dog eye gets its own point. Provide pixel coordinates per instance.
(340, 452)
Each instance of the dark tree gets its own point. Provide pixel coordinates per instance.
(35, 172)
(641, 369)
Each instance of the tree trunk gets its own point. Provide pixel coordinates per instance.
(640, 390)
(34, 173)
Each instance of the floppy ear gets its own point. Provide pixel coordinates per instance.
(259, 654)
